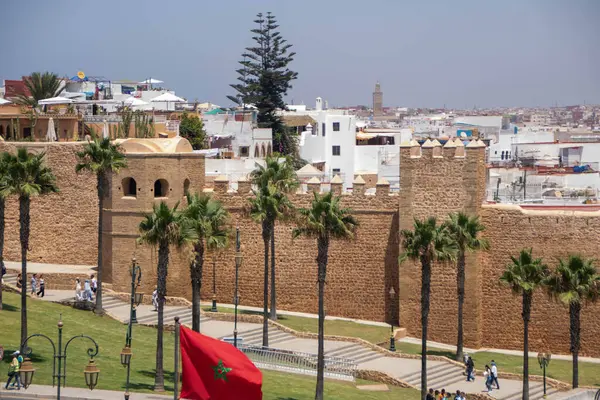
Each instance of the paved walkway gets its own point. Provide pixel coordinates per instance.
(41, 268)
(70, 393)
(440, 374)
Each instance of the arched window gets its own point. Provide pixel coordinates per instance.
(129, 186)
(256, 152)
(186, 187)
(262, 150)
(502, 155)
(2, 130)
(269, 151)
(161, 188)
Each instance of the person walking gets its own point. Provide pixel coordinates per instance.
(430, 395)
(470, 370)
(13, 371)
(94, 284)
(33, 284)
(78, 294)
(487, 376)
(19, 281)
(42, 290)
(495, 374)
(155, 299)
(87, 290)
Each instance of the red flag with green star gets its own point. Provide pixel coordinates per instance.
(215, 370)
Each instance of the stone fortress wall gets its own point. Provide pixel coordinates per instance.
(436, 180)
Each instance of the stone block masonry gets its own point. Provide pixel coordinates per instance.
(64, 224)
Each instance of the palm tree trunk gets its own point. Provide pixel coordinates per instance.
(196, 272)
(273, 314)
(323, 249)
(24, 203)
(460, 285)
(527, 297)
(99, 309)
(266, 236)
(2, 224)
(163, 262)
(575, 322)
(425, 292)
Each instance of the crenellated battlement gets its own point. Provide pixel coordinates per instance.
(453, 148)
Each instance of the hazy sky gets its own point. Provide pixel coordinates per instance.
(425, 53)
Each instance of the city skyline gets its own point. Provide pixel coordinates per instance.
(464, 54)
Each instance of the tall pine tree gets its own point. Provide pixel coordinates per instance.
(265, 78)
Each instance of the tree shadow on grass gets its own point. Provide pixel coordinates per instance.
(169, 379)
(9, 307)
(287, 398)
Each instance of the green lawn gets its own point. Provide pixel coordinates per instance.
(589, 373)
(370, 333)
(110, 336)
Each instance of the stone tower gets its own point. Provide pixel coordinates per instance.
(377, 101)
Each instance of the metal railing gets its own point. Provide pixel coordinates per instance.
(300, 363)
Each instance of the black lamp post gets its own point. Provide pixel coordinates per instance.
(214, 298)
(238, 263)
(136, 299)
(392, 339)
(544, 360)
(91, 371)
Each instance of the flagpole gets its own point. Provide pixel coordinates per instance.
(176, 378)
(238, 261)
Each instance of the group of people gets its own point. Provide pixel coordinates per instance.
(90, 287)
(443, 395)
(13, 370)
(490, 374)
(38, 285)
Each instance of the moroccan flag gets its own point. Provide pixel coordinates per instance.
(215, 370)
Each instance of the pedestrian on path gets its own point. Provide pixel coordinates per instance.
(3, 272)
(94, 284)
(42, 290)
(155, 299)
(78, 294)
(33, 284)
(487, 376)
(495, 374)
(13, 371)
(19, 281)
(458, 396)
(87, 290)
(430, 395)
(470, 370)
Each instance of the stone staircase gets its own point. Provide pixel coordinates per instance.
(253, 337)
(438, 376)
(536, 392)
(354, 352)
(10, 279)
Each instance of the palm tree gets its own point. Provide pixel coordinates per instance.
(524, 275)
(463, 229)
(26, 177)
(426, 243)
(207, 218)
(266, 206)
(164, 227)
(3, 170)
(41, 86)
(283, 177)
(325, 220)
(574, 281)
(102, 158)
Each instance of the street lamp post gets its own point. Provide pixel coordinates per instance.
(136, 299)
(238, 263)
(90, 372)
(392, 339)
(544, 360)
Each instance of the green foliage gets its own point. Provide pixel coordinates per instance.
(280, 174)
(41, 86)
(325, 219)
(143, 124)
(101, 157)
(165, 225)
(265, 78)
(125, 124)
(574, 281)
(192, 128)
(207, 217)
(525, 274)
(464, 230)
(427, 239)
(27, 176)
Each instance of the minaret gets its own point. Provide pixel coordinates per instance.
(377, 101)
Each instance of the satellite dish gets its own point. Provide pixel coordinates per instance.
(80, 74)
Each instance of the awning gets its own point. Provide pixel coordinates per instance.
(365, 136)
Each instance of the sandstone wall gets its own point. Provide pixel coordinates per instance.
(551, 234)
(63, 225)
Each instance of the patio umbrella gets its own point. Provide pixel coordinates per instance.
(55, 100)
(151, 81)
(105, 130)
(51, 134)
(167, 98)
(134, 102)
(4, 101)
